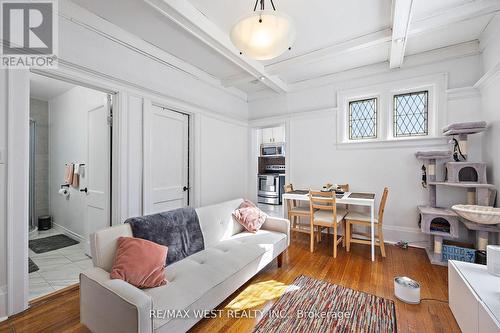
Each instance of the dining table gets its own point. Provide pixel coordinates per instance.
(345, 198)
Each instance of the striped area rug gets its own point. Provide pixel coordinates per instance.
(310, 305)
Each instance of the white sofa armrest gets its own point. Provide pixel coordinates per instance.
(111, 305)
(278, 225)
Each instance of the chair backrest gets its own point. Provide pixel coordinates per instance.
(381, 208)
(323, 201)
(290, 203)
(344, 187)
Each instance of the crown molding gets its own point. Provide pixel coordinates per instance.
(463, 93)
(88, 20)
(491, 74)
(193, 21)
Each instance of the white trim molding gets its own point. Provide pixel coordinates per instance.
(436, 86)
(3, 303)
(70, 233)
(463, 93)
(488, 77)
(17, 189)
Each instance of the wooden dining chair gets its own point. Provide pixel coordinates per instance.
(325, 214)
(295, 210)
(357, 218)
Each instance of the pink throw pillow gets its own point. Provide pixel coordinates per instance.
(249, 216)
(247, 203)
(140, 262)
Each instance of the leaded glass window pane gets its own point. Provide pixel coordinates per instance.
(363, 119)
(411, 114)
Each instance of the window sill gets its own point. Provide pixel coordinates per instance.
(427, 141)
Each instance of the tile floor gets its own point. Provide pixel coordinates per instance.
(57, 269)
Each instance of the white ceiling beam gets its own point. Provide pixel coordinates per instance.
(355, 44)
(464, 12)
(401, 18)
(193, 21)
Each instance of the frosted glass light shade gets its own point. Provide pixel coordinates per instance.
(266, 39)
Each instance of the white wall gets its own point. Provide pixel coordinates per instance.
(490, 90)
(314, 157)
(68, 115)
(223, 160)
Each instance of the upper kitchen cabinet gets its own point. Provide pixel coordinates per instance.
(273, 134)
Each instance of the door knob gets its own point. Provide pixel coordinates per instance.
(84, 190)
(185, 188)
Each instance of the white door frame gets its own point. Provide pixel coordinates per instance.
(147, 110)
(18, 95)
(17, 189)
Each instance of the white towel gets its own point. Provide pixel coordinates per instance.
(76, 175)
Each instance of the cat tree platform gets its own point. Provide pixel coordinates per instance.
(470, 127)
(473, 172)
(438, 221)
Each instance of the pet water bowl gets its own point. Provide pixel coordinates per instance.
(407, 290)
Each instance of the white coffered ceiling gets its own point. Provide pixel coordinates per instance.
(332, 35)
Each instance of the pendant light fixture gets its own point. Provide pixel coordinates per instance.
(263, 34)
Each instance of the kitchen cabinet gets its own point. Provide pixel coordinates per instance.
(273, 134)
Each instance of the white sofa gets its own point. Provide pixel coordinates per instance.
(199, 282)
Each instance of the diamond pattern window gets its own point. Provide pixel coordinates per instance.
(363, 119)
(411, 114)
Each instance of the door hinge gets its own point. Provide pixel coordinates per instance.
(110, 120)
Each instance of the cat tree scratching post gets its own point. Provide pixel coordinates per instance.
(435, 221)
(471, 176)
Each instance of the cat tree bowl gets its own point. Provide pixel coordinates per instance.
(478, 214)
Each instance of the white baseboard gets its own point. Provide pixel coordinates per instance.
(70, 233)
(3, 303)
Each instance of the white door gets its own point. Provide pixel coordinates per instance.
(166, 159)
(97, 170)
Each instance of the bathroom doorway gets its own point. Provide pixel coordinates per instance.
(70, 179)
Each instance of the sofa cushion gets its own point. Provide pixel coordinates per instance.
(193, 277)
(250, 217)
(139, 262)
(217, 222)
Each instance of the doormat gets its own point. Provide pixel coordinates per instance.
(32, 267)
(51, 243)
(315, 306)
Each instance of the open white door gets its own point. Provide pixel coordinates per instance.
(97, 170)
(166, 159)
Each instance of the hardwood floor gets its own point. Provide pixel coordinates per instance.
(353, 270)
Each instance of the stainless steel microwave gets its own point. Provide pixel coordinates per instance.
(272, 149)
